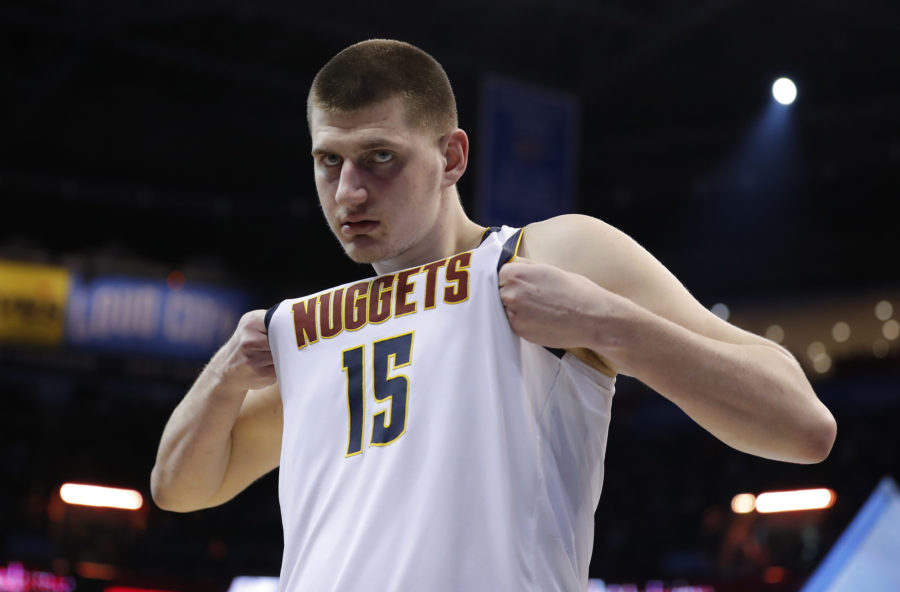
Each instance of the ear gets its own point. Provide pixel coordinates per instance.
(455, 149)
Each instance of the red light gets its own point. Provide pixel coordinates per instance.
(95, 571)
(175, 280)
(774, 575)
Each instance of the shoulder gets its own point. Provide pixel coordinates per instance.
(556, 238)
(588, 246)
(564, 223)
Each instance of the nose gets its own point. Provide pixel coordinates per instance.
(351, 191)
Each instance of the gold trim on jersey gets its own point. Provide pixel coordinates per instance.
(382, 300)
(357, 313)
(593, 359)
(362, 395)
(387, 415)
(518, 244)
(400, 294)
(331, 315)
(458, 266)
(352, 307)
(431, 273)
(310, 334)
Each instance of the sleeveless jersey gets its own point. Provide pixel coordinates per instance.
(425, 445)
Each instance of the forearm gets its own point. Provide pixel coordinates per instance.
(211, 447)
(195, 447)
(753, 397)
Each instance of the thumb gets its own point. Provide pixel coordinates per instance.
(511, 269)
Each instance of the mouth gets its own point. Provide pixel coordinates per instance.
(358, 227)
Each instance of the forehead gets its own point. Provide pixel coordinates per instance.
(382, 121)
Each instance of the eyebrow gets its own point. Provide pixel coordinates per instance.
(364, 147)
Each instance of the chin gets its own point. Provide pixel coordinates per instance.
(363, 259)
(358, 250)
(361, 255)
(372, 255)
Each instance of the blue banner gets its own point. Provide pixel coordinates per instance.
(528, 141)
(131, 315)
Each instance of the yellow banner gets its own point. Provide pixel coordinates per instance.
(32, 302)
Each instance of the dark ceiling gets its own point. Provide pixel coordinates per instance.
(174, 133)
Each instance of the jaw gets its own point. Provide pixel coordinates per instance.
(362, 249)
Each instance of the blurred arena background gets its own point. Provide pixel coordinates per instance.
(155, 182)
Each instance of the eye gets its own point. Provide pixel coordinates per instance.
(382, 156)
(330, 160)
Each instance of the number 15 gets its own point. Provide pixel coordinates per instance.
(387, 425)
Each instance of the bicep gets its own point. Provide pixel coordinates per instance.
(255, 442)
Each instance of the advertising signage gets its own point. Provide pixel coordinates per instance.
(131, 315)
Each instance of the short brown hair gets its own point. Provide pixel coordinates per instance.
(376, 70)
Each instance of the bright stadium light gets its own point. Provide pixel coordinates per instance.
(743, 503)
(101, 497)
(792, 501)
(784, 91)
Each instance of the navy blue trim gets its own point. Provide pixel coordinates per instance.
(559, 353)
(269, 314)
(509, 249)
(508, 252)
(488, 232)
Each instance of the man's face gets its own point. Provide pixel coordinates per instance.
(379, 182)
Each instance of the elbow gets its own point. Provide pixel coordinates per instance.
(162, 495)
(174, 496)
(158, 491)
(828, 434)
(820, 439)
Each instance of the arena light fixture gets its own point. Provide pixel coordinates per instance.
(101, 497)
(783, 501)
(797, 500)
(743, 503)
(784, 90)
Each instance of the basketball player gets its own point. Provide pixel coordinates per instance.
(442, 425)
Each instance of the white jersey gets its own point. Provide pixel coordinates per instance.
(426, 446)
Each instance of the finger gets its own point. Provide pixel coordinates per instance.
(257, 345)
(259, 357)
(507, 272)
(254, 319)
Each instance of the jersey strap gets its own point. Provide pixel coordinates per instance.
(269, 314)
(510, 249)
(488, 232)
(508, 253)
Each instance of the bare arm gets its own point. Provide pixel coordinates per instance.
(595, 287)
(226, 432)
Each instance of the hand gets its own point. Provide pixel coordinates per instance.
(245, 360)
(553, 307)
